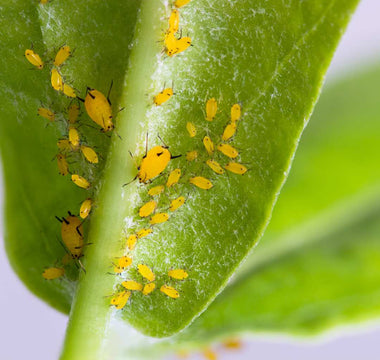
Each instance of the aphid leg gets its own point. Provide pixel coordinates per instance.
(109, 92)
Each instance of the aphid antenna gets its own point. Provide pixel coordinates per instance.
(109, 92)
(166, 146)
(81, 265)
(135, 178)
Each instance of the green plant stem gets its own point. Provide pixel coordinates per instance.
(91, 312)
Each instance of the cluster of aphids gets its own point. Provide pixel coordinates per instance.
(72, 145)
(164, 200)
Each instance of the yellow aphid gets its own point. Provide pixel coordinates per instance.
(74, 110)
(209, 145)
(148, 208)
(178, 274)
(85, 208)
(64, 145)
(211, 109)
(201, 182)
(210, 354)
(229, 131)
(215, 166)
(177, 203)
(63, 166)
(122, 264)
(53, 273)
(235, 112)
(34, 59)
(169, 291)
(132, 285)
(163, 96)
(63, 53)
(182, 44)
(170, 42)
(148, 288)
(146, 272)
(143, 232)
(131, 242)
(71, 232)
(120, 299)
(99, 109)
(69, 91)
(173, 22)
(159, 218)
(46, 113)
(191, 155)
(43, 2)
(156, 190)
(153, 163)
(180, 3)
(74, 137)
(89, 154)
(56, 80)
(192, 130)
(228, 150)
(236, 168)
(174, 177)
(80, 181)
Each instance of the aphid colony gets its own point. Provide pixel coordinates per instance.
(215, 153)
(72, 149)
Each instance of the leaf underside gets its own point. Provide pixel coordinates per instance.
(268, 56)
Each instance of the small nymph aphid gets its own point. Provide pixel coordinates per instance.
(63, 53)
(180, 3)
(148, 208)
(173, 22)
(99, 109)
(169, 291)
(69, 91)
(131, 242)
(64, 145)
(63, 166)
(89, 154)
(229, 131)
(215, 166)
(174, 177)
(120, 299)
(34, 59)
(191, 129)
(159, 218)
(163, 96)
(236, 168)
(143, 232)
(132, 285)
(228, 150)
(177, 203)
(191, 155)
(53, 273)
(148, 288)
(122, 264)
(178, 274)
(146, 272)
(74, 110)
(80, 181)
(74, 137)
(201, 182)
(46, 113)
(85, 208)
(209, 145)
(211, 109)
(235, 112)
(156, 190)
(56, 80)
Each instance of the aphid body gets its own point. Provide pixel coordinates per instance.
(132, 285)
(46, 113)
(90, 154)
(159, 218)
(80, 181)
(163, 96)
(71, 232)
(236, 168)
(63, 53)
(191, 129)
(63, 166)
(215, 166)
(177, 203)
(209, 145)
(228, 150)
(120, 299)
(146, 272)
(99, 109)
(148, 288)
(174, 177)
(85, 208)
(34, 59)
(53, 273)
(211, 109)
(148, 208)
(153, 163)
(201, 182)
(169, 291)
(178, 274)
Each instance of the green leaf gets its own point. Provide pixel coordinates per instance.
(317, 266)
(269, 56)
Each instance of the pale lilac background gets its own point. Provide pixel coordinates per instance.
(31, 330)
